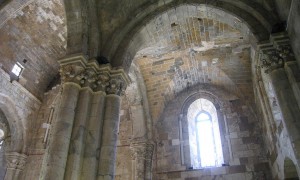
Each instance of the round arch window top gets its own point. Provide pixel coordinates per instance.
(204, 135)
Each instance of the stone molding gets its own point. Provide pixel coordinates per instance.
(88, 73)
(275, 52)
(15, 160)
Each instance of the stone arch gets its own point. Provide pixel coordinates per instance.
(16, 127)
(290, 170)
(81, 33)
(256, 17)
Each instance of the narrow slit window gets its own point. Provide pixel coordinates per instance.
(17, 69)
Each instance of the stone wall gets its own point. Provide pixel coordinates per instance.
(16, 98)
(241, 135)
(35, 31)
(40, 134)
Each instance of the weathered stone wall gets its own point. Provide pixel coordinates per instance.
(35, 31)
(166, 75)
(133, 127)
(20, 108)
(40, 135)
(15, 97)
(242, 135)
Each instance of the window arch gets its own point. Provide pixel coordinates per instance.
(204, 135)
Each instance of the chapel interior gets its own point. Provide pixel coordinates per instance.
(149, 89)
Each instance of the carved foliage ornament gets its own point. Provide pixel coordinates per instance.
(275, 58)
(98, 81)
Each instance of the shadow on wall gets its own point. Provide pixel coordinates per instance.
(290, 171)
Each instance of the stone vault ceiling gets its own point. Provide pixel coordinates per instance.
(35, 31)
(197, 27)
(193, 45)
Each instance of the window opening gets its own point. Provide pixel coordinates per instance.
(1, 138)
(204, 135)
(17, 69)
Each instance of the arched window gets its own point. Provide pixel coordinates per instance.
(204, 135)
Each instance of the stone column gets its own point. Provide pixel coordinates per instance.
(110, 129)
(287, 101)
(15, 163)
(109, 137)
(142, 156)
(57, 151)
(93, 138)
(77, 145)
(275, 56)
(74, 74)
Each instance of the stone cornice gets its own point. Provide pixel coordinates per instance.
(275, 52)
(88, 73)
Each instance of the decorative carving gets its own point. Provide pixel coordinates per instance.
(15, 160)
(276, 53)
(71, 73)
(115, 86)
(90, 74)
(101, 82)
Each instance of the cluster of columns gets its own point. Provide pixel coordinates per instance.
(84, 134)
(278, 61)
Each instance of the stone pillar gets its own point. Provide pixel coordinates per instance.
(287, 101)
(93, 138)
(114, 89)
(109, 137)
(277, 59)
(77, 145)
(79, 133)
(15, 163)
(142, 156)
(57, 151)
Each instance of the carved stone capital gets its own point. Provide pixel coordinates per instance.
(142, 150)
(88, 73)
(275, 53)
(15, 160)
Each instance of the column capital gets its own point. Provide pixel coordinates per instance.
(142, 150)
(275, 52)
(15, 160)
(88, 73)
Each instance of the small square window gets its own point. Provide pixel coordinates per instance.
(17, 69)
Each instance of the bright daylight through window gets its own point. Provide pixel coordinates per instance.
(204, 134)
(17, 69)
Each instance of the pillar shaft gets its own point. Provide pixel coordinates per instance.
(287, 102)
(93, 138)
(109, 138)
(76, 148)
(57, 152)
